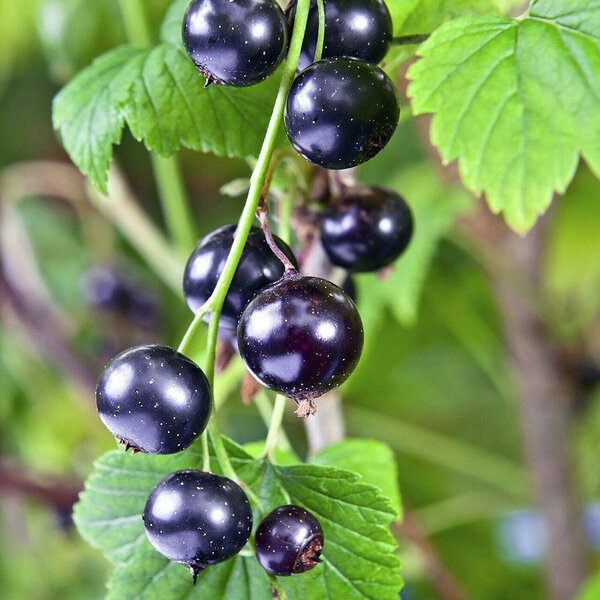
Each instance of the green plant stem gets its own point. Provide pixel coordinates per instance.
(174, 202)
(134, 20)
(257, 182)
(277, 587)
(321, 32)
(265, 408)
(275, 426)
(171, 191)
(409, 40)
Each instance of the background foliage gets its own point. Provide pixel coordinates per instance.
(434, 382)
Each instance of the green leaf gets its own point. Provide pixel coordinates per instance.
(108, 514)
(374, 461)
(515, 101)
(592, 590)
(359, 560)
(170, 29)
(160, 95)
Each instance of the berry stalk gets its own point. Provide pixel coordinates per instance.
(321, 33)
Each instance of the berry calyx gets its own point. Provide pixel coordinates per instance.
(341, 112)
(197, 518)
(289, 541)
(236, 43)
(258, 267)
(301, 337)
(353, 28)
(153, 399)
(367, 229)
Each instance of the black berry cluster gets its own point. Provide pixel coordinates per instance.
(300, 336)
(342, 110)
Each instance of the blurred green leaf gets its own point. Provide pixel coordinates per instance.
(371, 459)
(160, 95)
(515, 101)
(591, 590)
(572, 269)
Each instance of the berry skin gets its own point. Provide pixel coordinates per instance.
(353, 28)
(153, 399)
(258, 267)
(197, 518)
(235, 43)
(341, 112)
(289, 541)
(367, 229)
(302, 337)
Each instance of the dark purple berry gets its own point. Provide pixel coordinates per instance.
(289, 541)
(353, 28)
(341, 112)
(367, 229)
(106, 288)
(302, 337)
(197, 518)
(349, 286)
(235, 43)
(153, 399)
(258, 267)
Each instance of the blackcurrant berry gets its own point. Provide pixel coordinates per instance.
(289, 541)
(153, 399)
(349, 286)
(197, 518)
(258, 267)
(235, 43)
(353, 28)
(106, 288)
(367, 229)
(341, 112)
(302, 337)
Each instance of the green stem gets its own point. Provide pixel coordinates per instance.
(259, 175)
(321, 32)
(408, 40)
(277, 587)
(265, 409)
(171, 190)
(275, 426)
(174, 202)
(134, 20)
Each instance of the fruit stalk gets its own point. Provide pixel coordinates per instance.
(321, 34)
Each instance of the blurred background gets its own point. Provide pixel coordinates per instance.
(481, 366)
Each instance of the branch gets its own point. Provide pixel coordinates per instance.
(544, 397)
(443, 581)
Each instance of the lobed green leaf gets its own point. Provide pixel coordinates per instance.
(515, 101)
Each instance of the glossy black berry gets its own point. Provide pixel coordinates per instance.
(153, 399)
(258, 267)
(301, 337)
(367, 229)
(289, 541)
(341, 112)
(197, 518)
(235, 43)
(353, 28)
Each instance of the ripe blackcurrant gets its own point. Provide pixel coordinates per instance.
(341, 112)
(153, 399)
(197, 518)
(302, 337)
(367, 229)
(353, 28)
(235, 43)
(289, 541)
(258, 267)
